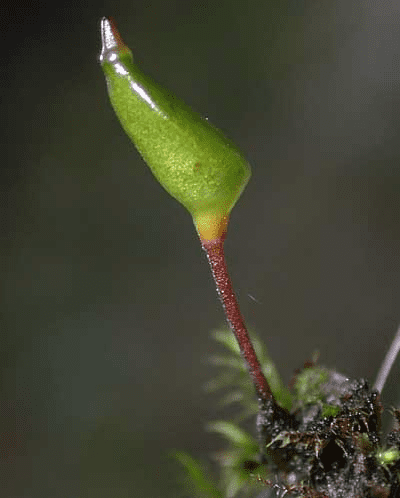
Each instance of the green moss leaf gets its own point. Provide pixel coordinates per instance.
(234, 434)
(198, 483)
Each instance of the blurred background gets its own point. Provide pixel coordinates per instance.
(107, 299)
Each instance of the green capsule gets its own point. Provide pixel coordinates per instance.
(191, 159)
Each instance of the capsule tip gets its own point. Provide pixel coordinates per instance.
(111, 40)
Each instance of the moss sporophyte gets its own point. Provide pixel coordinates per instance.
(323, 440)
(191, 159)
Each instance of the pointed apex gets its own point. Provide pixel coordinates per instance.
(111, 41)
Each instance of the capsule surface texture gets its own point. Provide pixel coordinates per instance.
(192, 159)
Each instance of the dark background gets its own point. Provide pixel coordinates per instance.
(107, 300)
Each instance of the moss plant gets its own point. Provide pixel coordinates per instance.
(323, 437)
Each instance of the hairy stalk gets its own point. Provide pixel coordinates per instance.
(216, 257)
